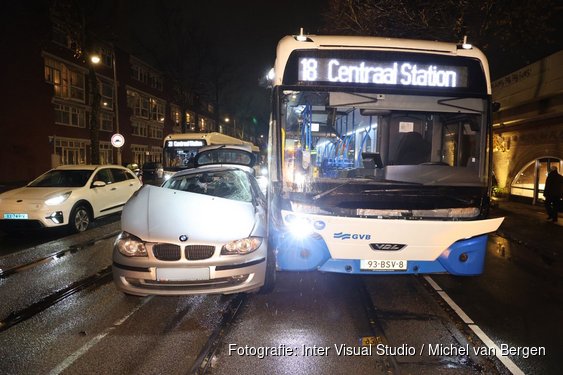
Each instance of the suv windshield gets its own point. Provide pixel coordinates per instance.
(62, 178)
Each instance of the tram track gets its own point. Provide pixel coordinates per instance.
(378, 333)
(7, 272)
(458, 330)
(15, 317)
(204, 360)
(53, 297)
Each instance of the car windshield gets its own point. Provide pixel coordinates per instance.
(230, 184)
(62, 178)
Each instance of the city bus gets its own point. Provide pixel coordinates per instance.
(179, 148)
(379, 156)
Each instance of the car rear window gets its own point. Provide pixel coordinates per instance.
(224, 156)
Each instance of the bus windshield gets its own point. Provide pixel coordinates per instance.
(341, 139)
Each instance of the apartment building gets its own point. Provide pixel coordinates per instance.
(48, 101)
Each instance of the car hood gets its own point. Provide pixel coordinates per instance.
(33, 193)
(158, 214)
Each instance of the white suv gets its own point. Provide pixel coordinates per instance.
(69, 195)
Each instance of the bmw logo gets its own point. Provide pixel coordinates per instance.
(183, 238)
(319, 225)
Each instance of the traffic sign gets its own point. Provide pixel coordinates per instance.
(117, 140)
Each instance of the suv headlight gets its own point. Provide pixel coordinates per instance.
(241, 247)
(58, 199)
(130, 246)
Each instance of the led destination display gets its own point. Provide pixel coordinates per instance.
(405, 73)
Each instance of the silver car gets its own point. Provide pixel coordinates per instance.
(203, 231)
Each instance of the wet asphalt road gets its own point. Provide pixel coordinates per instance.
(302, 324)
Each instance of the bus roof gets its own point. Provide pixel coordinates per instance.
(212, 138)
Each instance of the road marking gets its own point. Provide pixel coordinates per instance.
(84, 349)
(511, 366)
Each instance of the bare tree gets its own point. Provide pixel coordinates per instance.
(174, 38)
(496, 26)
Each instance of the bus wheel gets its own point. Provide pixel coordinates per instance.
(79, 219)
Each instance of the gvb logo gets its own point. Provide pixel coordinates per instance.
(352, 236)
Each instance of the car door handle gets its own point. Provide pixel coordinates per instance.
(114, 188)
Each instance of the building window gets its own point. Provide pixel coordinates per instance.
(139, 128)
(176, 116)
(71, 151)
(61, 37)
(106, 92)
(70, 116)
(190, 120)
(156, 154)
(106, 153)
(67, 83)
(106, 121)
(146, 107)
(155, 131)
(139, 154)
(146, 75)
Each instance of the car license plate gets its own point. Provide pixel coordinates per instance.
(182, 274)
(383, 265)
(15, 216)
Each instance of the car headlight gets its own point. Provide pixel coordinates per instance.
(58, 199)
(241, 247)
(130, 246)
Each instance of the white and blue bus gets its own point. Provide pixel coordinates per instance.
(380, 156)
(180, 148)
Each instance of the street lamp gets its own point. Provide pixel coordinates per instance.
(115, 96)
(227, 120)
(95, 59)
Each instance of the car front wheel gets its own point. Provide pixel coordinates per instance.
(270, 277)
(79, 219)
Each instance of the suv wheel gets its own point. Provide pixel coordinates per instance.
(79, 219)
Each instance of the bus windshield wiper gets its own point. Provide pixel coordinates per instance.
(326, 192)
(329, 191)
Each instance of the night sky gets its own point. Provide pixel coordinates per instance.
(243, 34)
(246, 33)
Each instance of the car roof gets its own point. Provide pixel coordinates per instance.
(87, 166)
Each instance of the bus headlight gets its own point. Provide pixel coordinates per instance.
(130, 246)
(299, 227)
(241, 247)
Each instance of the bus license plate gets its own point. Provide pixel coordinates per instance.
(383, 265)
(15, 216)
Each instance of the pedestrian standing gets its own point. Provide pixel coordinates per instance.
(552, 193)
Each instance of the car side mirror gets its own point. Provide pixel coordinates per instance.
(98, 184)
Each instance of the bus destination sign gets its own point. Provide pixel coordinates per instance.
(187, 143)
(401, 73)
